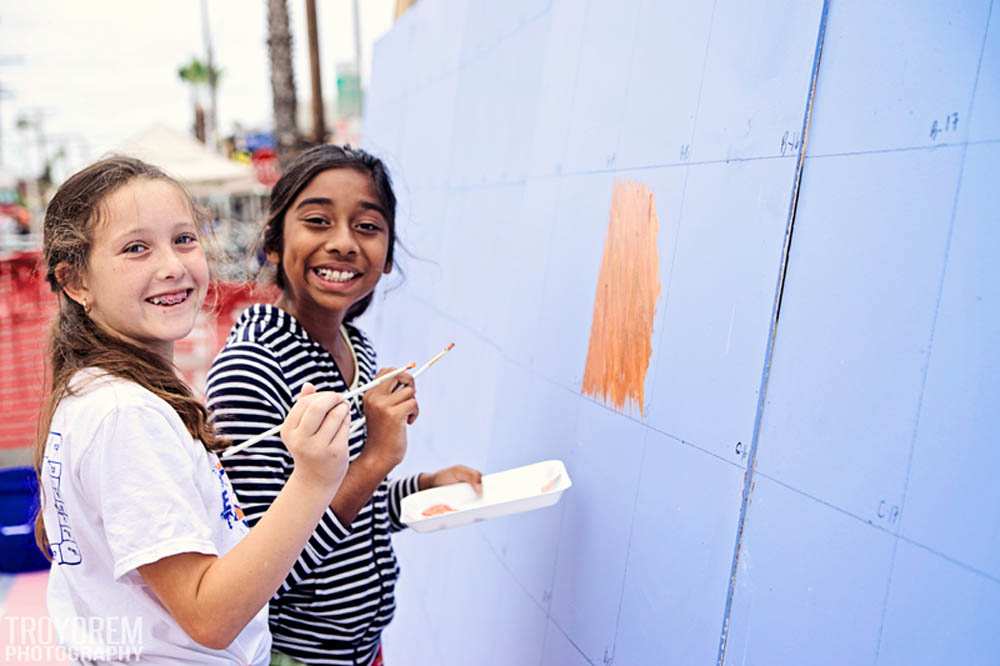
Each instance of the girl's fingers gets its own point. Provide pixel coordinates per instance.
(400, 395)
(344, 429)
(391, 386)
(471, 476)
(403, 381)
(295, 414)
(316, 409)
(404, 394)
(403, 410)
(332, 424)
(412, 417)
(384, 387)
(390, 401)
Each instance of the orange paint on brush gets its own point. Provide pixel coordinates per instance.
(622, 328)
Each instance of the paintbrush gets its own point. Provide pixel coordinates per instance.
(357, 425)
(437, 357)
(347, 396)
(378, 380)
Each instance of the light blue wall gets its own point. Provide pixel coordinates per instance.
(868, 529)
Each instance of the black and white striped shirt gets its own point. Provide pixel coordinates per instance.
(339, 596)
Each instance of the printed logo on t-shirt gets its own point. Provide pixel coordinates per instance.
(231, 511)
(65, 550)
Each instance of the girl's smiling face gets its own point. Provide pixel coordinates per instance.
(334, 243)
(146, 275)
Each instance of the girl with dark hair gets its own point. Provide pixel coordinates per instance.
(149, 544)
(330, 236)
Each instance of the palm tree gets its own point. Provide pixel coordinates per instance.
(283, 99)
(198, 75)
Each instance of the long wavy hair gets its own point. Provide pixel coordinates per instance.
(76, 341)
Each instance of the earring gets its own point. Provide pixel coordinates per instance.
(86, 306)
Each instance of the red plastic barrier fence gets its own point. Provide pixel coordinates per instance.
(26, 306)
(26, 309)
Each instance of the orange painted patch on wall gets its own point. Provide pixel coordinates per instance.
(622, 328)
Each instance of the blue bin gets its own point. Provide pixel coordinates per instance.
(18, 504)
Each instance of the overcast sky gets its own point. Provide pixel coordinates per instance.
(103, 70)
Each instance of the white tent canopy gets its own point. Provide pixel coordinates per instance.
(7, 180)
(202, 171)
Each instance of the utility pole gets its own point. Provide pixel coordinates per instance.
(213, 80)
(357, 39)
(6, 93)
(36, 121)
(318, 120)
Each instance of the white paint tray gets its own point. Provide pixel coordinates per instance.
(512, 491)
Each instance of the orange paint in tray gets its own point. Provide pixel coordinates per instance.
(436, 510)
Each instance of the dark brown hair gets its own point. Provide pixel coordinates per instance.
(76, 341)
(297, 177)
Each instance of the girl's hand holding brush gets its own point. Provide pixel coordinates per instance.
(389, 408)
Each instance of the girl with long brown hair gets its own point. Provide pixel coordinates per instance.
(142, 523)
(330, 237)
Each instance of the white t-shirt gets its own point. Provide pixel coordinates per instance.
(125, 484)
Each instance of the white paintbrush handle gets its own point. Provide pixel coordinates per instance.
(250, 442)
(350, 395)
(232, 450)
(375, 382)
(437, 357)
